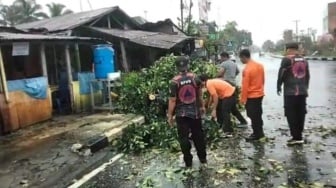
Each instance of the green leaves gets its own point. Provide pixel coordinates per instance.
(229, 172)
(137, 86)
(148, 182)
(135, 92)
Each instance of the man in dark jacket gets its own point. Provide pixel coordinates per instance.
(187, 104)
(294, 74)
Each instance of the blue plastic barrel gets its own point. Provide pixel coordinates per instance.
(103, 61)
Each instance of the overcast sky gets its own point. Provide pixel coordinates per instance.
(266, 19)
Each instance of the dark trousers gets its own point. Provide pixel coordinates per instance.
(224, 109)
(254, 112)
(295, 111)
(235, 110)
(186, 125)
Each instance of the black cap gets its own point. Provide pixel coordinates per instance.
(292, 45)
(181, 63)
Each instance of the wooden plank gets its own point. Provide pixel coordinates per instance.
(77, 55)
(69, 72)
(10, 119)
(55, 63)
(24, 110)
(108, 21)
(31, 110)
(77, 98)
(124, 56)
(43, 60)
(3, 78)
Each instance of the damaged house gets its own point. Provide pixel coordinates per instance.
(46, 66)
(136, 46)
(37, 75)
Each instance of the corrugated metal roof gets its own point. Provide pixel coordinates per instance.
(4, 36)
(140, 20)
(68, 21)
(145, 38)
(150, 26)
(10, 29)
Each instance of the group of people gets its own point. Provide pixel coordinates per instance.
(186, 105)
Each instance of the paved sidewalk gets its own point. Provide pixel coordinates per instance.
(42, 156)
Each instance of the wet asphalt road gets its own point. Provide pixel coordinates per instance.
(235, 163)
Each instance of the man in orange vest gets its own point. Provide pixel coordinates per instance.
(252, 93)
(223, 99)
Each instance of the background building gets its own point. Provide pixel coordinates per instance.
(329, 18)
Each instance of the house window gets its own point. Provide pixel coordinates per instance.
(21, 67)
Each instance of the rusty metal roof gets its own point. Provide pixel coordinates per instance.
(69, 21)
(145, 38)
(17, 37)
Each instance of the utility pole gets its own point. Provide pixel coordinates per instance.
(181, 6)
(297, 29)
(89, 4)
(189, 17)
(146, 14)
(81, 5)
(314, 31)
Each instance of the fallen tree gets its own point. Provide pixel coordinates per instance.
(146, 92)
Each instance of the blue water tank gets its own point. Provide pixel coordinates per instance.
(103, 61)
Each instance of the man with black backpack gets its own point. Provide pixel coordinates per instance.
(294, 74)
(187, 104)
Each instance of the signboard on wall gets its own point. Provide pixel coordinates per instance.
(204, 30)
(199, 43)
(20, 49)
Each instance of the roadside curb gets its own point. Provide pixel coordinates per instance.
(98, 142)
(33, 144)
(101, 142)
(311, 58)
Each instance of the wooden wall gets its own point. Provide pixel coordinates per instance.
(23, 110)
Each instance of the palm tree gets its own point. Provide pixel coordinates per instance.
(57, 9)
(29, 11)
(9, 15)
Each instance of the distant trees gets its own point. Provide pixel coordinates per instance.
(268, 46)
(288, 36)
(23, 11)
(233, 39)
(57, 9)
(229, 39)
